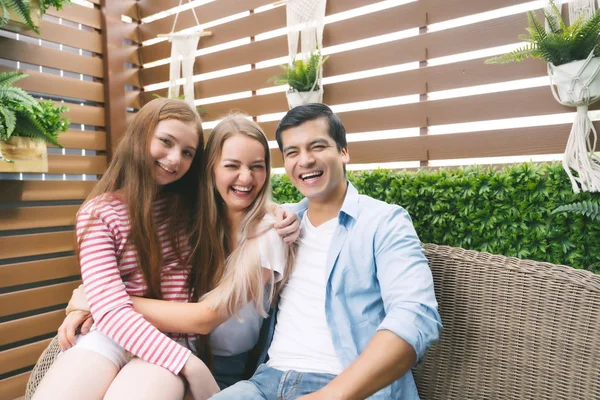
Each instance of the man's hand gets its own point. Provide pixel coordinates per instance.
(287, 225)
(78, 301)
(68, 329)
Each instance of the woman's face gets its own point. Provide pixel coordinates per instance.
(240, 172)
(172, 150)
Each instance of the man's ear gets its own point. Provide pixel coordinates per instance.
(345, 155)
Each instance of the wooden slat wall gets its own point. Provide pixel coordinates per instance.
(424, 79)
(38, 266)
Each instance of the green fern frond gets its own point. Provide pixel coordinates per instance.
(23, 10)
(588, 208)
(528, 51)
(10, 77)
(563, 44)
(28, 126)
(17, 95)
(4, 17)
(8, 120)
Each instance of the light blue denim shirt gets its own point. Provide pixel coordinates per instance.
(377, 279)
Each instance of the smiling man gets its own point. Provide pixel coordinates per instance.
(359, 309)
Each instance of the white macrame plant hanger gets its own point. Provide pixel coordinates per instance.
(577, 84)
(305, 20)
(183, 49)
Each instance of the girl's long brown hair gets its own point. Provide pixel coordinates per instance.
(131, 173)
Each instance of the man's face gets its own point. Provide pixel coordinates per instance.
(312, 161)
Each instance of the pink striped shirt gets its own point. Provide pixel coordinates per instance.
(110, 275)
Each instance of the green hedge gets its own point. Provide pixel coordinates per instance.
(505, 211)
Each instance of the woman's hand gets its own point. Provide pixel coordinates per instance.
(78, 301)
(68, 329)
(287, 225)
(201, 383)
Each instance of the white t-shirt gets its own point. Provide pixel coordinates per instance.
(302, 340)
(234, 336)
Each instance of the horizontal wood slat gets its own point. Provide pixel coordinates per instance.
(510, 104)
(33, 299)
(130, 9)
(133, 98)
(78, 38)
(21, 357)
(48, 57)
(59, 164)
(25, 328)
(57, 85)
(38, 243)
(132, 77)
(365, 26)
(87, 115)
(497, 143)
(438, 11)
(13, 387)
(89, 140)
(80, 14)
(206, 13)
(36, 217)
(234, 30)
(36, 271)
(14, 191)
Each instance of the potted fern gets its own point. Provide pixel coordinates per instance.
(22, 15)
(572, 56)
(26, 125)
(303, 78)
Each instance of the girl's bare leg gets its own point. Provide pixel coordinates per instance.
(142, 380)
(77, 374)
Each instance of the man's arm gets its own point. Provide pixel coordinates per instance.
(412, 322)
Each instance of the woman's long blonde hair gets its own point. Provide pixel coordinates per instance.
(131, 173)
(236, 273)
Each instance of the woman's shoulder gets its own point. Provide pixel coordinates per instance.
(104, 205)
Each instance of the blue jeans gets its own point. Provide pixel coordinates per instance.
(272, 384)
(228, 370)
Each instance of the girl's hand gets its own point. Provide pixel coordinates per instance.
(78, 301)
(287, 225)
(68, 329)
(200, 381)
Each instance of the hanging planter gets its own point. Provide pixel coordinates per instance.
(23, 154)
(296, 98)
(572, 56)
(304, 80)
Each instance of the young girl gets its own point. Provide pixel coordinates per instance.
(248, 252)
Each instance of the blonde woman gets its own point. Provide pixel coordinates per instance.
(242, 264)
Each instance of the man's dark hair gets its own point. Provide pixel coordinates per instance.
(310, 112)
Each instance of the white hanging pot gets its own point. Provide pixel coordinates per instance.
(577, 82)
(300, 98)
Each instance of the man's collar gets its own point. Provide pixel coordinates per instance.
(349, 207)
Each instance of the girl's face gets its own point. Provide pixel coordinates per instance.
(172, 149)
(240, 172)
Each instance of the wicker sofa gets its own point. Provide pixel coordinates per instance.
(513, 329)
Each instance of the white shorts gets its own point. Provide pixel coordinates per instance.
(99, 343)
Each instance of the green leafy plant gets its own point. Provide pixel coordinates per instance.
(24, 8)
(508, 211)
(590, 209)
(563, 44)
(22, 115)
(302, 74)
